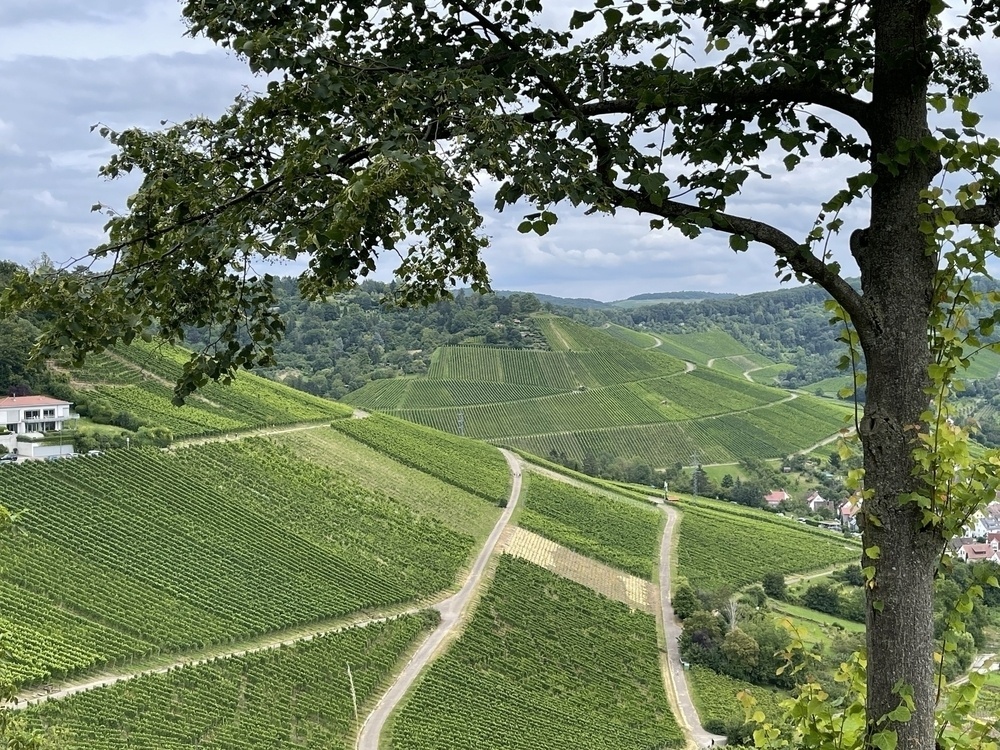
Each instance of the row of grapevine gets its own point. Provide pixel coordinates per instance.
(717, 550)
(701, 347)
(544, 663)
(715, 697)
(414, 393)
(631, 336)
(299, 696)
(519, 366)
(225, 541)
(578, 410)
(426, 495)
(472, 466)
(617, 532)
(135, 379)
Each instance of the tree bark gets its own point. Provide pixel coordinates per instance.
(898, 274)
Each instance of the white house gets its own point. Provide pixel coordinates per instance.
(21, 414)
(27, 418)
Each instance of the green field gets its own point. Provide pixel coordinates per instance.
(139, 552)
(728, 546)
(544, 663)
(715, 696)
(701, 347)
(606, 391)
(631, 336)
(472, 466)
(288, 697)
(621, 533)
(424, 494)
(138, 379)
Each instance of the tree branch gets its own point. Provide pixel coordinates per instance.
(987, 213)
(798, 256)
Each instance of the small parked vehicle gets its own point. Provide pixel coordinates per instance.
(9, 457)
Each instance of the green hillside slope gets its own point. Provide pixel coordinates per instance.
(597, 393)
(301, 694)
(138, 380)
(544, 663)
(138, 552)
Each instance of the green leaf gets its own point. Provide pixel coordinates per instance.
(612, 17)
(738, 242)
(722, 44)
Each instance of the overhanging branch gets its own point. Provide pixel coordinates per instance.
(798, 256)
(985, 214)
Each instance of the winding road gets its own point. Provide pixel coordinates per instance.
(451, 610)
(677, 687)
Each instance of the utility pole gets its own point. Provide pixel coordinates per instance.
(461, 423)
(697, 467)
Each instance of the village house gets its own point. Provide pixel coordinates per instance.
(816, 502)
(848, 516)
(776, 498)
(29, 420)
(979, 551)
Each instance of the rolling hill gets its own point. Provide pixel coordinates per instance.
(601, 391)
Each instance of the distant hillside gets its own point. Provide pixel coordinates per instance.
(593, 394)
(548, 299)
(653, 298)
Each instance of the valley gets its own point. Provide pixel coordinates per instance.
(283, 577)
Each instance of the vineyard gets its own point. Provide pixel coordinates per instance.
(719, 548)
(457, 509)
(715, 696)
(617, 532)
(544, 663)
(138, 379)
(471, 466)
(140, 552)
(701, 347)
(631, 336)
(286, 697)
(597, 391)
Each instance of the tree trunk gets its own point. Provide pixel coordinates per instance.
(897, 275)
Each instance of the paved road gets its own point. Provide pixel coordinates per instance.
(687, 714)
(451, 610)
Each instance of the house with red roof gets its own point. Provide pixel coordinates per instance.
(979, 551)
(776, 498)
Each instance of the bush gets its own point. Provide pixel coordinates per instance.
(823, 598)
(774, 586)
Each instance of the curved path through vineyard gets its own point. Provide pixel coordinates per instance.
(687, 714)
(451, 610)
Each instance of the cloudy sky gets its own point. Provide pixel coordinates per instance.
(66, 65)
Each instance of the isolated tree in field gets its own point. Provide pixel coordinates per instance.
(378, 118)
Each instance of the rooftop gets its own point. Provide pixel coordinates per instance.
(17, 402)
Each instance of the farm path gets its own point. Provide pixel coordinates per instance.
(746, 373)
(658, 340)
(40, 694)
(262, 432)
(677, 686)
(982, 663)
(451, 610)
(826, 441)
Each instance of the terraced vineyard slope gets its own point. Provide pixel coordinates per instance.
(301, 694)
(620, 533)
(138, 380)
(544, 662)
(137, 553)
(725, 546)
(595, 393)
